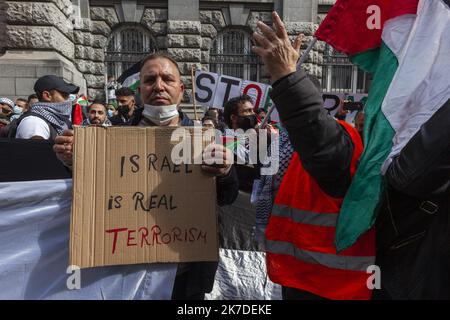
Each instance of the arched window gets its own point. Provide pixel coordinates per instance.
(231, 55)
(127, 45)
(340, 75)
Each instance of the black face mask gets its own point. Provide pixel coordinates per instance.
(247, 122)
(123, 110)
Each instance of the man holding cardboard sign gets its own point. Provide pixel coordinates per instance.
(161, 91)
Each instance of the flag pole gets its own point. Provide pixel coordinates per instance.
(193, 92)
(299, 63)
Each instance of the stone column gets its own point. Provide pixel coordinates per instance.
(37, 40)
(184, 40)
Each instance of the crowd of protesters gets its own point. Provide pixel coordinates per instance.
(37, 115)
(318, 157)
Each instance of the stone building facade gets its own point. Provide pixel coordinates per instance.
(86, 40)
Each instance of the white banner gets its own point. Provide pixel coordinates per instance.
(214, 90)
(34, 252)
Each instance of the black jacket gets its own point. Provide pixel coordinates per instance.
(119, 120)
(200, 275)
(324, 146)
(413, 227)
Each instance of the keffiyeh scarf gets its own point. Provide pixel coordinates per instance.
(58, 114)
(269, 185)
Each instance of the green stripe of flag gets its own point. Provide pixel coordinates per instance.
(357, 212)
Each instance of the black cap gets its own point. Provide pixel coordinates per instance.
(51, 82)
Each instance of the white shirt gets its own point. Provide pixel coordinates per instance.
(32, 126)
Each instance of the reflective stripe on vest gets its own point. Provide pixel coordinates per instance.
(325, 259)
(306, 217)
(300, 237)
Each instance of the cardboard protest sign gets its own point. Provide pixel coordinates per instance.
(132, 204)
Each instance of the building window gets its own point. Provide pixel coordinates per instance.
(127, 45)
(340, 75)
(231, 55)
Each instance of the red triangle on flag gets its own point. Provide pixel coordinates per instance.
(348, 27)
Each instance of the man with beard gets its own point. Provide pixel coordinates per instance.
(97, 115)
(161, 91)
(127, 107)
(6, 111)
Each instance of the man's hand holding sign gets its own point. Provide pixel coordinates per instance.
(132, 202)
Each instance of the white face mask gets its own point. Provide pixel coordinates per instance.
(160, 115)
(17, 110)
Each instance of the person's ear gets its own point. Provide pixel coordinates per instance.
(46, 95)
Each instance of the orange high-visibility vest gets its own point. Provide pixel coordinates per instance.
(300, 246)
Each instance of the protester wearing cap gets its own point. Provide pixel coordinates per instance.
(6, 111)
(51, 115)
(6, 107)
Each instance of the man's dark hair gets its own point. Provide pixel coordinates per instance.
(124, 92)
(159, 55)
(211, 112)
(22, 99)
(232, 107)
(210, 118)
(99, 103)
(32, 96)
(40, 97)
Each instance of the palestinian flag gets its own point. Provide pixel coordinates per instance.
(83, 101)
(79, 110)
(35, 205)
(409, 59)
(130, 78)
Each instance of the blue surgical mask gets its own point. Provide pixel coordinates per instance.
(110, 114)
(17, 110)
